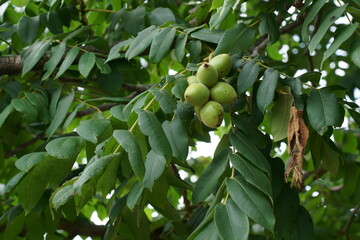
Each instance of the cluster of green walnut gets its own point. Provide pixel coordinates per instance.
(208, 91)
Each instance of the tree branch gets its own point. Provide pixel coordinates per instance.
(346, 228)
(23, 146)
(89, 111)
(187, 203)
(260, 46)
(81, 228)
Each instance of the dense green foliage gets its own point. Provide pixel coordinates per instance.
(93, 120)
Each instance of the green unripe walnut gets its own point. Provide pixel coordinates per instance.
(212, 114)
(207, 75)
(222, 63)
(197, 94)
(223, 93)
(192, 79)
(197, 111)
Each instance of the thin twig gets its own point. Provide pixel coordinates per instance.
(91, 110)
(100, 10)
(10, 45)
(346, 228)
(187, 203)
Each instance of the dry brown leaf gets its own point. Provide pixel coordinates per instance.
(297, 135)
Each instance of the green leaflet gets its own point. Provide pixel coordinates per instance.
(329, 19)
(161, 44)
(35, 53)
(180, 46)
(315, 8)
(161, 15)
(141, 42)
(41, 103)
(247, 76)
(55, 96)
(13, 182)
(20, 3)
(69, 59)
(126, 139)
(221, 14)
(210, 176)
(28, 110)
(60, 112)
(114, 51)
(54, 60)
(252, 174)
(340, 39)
(93, 168)
(28, 28)
(154, 167)
(178, 138)
(205, 34)
(235, 40)
(134, 195)
(231, 223)
(92, 129)
(209, 232)
(118, 112)
(268, 25)
(322, 110)
(280, 115)
(324, 150)
(304, 228)
(26, 162)
(33, 185)
(135, 20)
(166, 101)
(5, 113)
(151, 127)
(285, 209)
(65, 147)
(355, 115)
(73, 114)
(86, 63)
(48, 171)
(252, 132)
(266, 91)
(252, 202)
(355, 53)
(76, 32)
(249, 150)
(63, 194)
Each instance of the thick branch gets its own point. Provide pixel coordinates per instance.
(24, 145)
(135, 88)
(82, 228)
